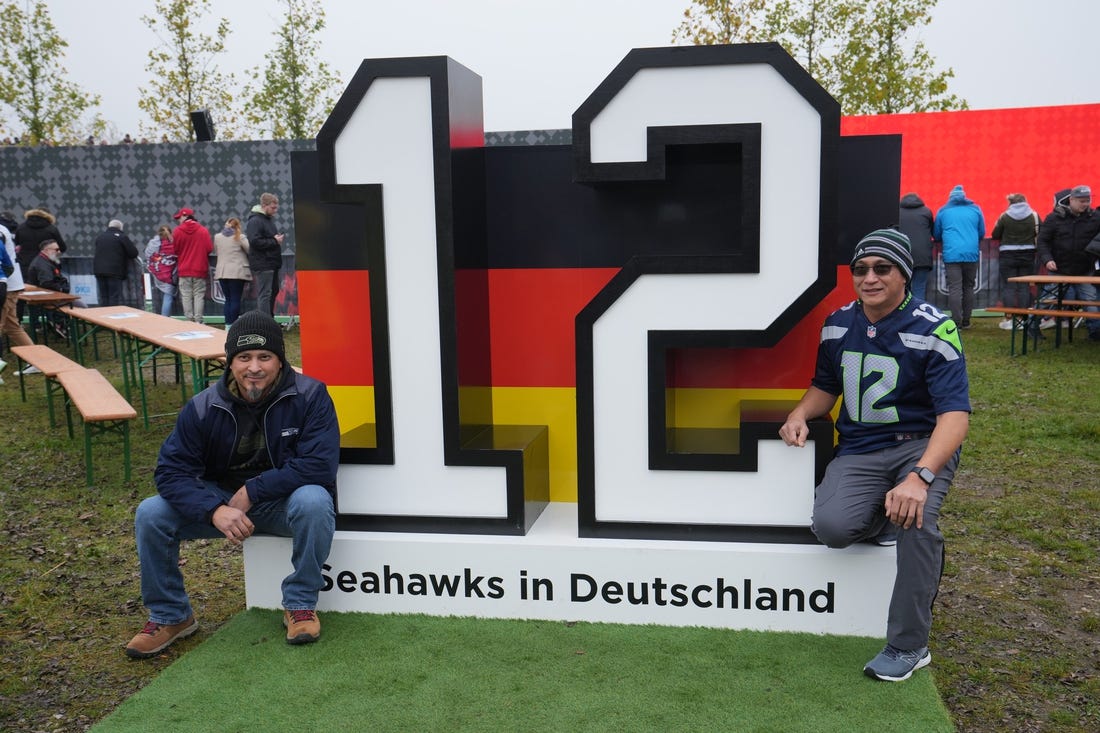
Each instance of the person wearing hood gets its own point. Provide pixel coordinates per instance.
(193, 247)
(915, 221)
(114, 251)
(1016, 230)
(960, 227)
(38, 226)
(1063, 237)
(265, 251)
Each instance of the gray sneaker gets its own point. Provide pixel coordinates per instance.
(895, 665)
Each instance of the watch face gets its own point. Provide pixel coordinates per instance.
(926, 475)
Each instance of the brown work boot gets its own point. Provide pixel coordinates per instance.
(302, 627)
(155, 638)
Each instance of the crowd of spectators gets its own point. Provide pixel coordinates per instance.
(1063, 242)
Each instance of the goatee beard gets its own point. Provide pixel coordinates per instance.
(254, 394)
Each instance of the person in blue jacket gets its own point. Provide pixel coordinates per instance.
(960, 226)
(256, 452)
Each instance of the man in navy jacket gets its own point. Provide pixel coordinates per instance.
(111, 264)
(256, 452)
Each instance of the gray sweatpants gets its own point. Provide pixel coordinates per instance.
(849, 507)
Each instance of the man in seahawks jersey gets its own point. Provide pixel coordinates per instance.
(897, 363)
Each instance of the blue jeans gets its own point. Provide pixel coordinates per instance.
(307, 516)
(919, 284)
(233, 289)
(1086, 291)
(167, 296)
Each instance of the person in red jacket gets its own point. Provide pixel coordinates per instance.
(193, 247)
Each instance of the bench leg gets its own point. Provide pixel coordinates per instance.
(88, 453)
(69, 416)
(52, 386)
(22, 382)
(126, 448)
(93, 429)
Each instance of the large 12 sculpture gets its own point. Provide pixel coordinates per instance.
(601, 337)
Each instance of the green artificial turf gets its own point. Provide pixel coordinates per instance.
(420, 673)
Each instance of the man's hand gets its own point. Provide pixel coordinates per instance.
(1052, 266)
(233, 523)
(905, 502)
(814, 403)
(794, 431)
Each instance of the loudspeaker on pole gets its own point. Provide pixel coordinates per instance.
(204, 126)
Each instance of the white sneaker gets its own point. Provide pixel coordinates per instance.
(1046, 323)
(29, 370)
(1005, 325)
(3, 366)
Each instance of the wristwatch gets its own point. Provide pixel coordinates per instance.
(925, 475)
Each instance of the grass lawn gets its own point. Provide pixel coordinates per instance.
(1016, 640)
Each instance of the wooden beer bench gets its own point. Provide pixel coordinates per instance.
(102, 408)
(47, 361)
(1021, 317)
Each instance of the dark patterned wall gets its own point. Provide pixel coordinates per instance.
(143, 185)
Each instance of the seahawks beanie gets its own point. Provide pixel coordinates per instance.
(254, 330)
(890, 244)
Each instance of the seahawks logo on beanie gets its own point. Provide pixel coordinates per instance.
(254, 330)
(251, 341)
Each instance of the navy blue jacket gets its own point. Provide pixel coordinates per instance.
(303, 440)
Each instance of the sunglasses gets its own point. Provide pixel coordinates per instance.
(882, 269)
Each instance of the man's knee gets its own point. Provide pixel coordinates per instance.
(150, 511)
(310, 502)
(835, 531)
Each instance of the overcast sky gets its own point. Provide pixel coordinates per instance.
(539, 60)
